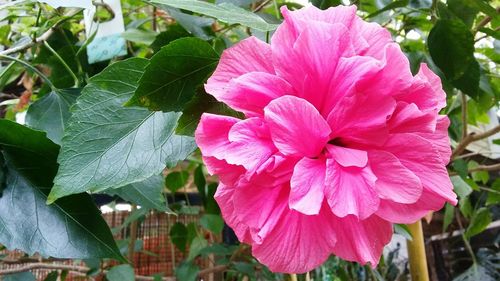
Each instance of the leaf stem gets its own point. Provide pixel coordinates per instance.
(70, 71)
(32, 68)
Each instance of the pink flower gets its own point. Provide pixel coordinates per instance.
(340, 140)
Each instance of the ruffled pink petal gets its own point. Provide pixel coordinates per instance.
(298, 243)
(296, 126)
(361, 118)
(224, 198)
(408, 118)
(260, 207)
(426, 91)
(410, 213)
(424, 161)
(440, 139)
(387, 76)
(212, 134)
(362, 240)
(227, 173)
(351, 190)
(311, 63)
(394, 181)
(250, 144)
(249, 55)
(348, 157)
(307, 184)
(296, 21)
(253, 91)
(376, 37)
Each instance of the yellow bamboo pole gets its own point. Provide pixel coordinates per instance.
(416, 253)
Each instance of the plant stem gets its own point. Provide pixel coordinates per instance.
(32, 68)
(70, 71)
(416, 253)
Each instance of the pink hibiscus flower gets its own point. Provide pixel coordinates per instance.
(339, 142)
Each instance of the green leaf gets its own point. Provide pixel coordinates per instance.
(147, 193)
(211, 206)
(196, 246)
(391, 6)
(465, 207)
(107, 145)
(200, 27)
(460, 167)
(403, 230)
(122, 272)
(469, 81)
(52, 276)
(475, 273)
(479, 176)
(51, 112)
(173, 75)
(199, 104)
(464, 9)
(173, 32)
(214, 223)
(200, 182)
(449, 214)
(325, 4)
(176, 180)
(245, 268)
(187, 271)
(70, 228)
(139, 36)
(479, 221)
(178, 235)
(461, 188)
(22, 276)
(494, 197)
(225, 12)
(451, 46)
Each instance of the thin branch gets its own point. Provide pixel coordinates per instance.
(466, 242)
(464, 115)
(262, 5)
(40, 265)
(488, 168)
(44, 37)
(472, 137)
(84, 269)
(28, 45)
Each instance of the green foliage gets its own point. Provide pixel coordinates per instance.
(187, 271)
(147, 193)
(173, 74)
(122, 272)
(51, 113)
(224, 12)
(114, 145)
(72, 227)
(451, 46)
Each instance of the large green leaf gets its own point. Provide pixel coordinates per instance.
(199, 104)
(70, 228)
(122, 272)
(50, 113)
(173, 75)
(107, 145)
(148, 193)
(451, 46)
(225, 12)
(480, 220)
